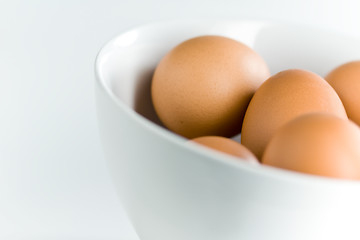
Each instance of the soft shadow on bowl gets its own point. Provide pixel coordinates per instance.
(143, 103)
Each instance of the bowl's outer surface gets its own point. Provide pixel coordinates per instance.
(172, 190)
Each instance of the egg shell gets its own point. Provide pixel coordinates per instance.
(319, 144)
(281, 98)
(226, 145)
(345, 79)
(203, 86)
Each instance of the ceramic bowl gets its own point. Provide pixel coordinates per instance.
(178, 191)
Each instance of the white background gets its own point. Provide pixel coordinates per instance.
(53, 179)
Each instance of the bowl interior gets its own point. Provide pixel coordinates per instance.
(128, 61)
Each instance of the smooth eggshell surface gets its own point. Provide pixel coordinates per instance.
(319, 144)
(203, 86)
(345, 79)
(283, 97)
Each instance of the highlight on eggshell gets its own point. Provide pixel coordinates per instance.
(318, 144)
(203, 86)
(345, 79)
(226, 145)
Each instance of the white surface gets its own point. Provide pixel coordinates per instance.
(53, 180)
(174, 190)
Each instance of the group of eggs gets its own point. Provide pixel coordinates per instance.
(211, 88)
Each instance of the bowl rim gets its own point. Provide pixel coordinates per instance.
(212, 155)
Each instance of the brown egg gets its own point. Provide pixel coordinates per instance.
(203, 86)
(345, 79)
(317, 143)
(282, 98)
(226, 145)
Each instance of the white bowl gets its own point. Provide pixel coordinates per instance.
(178, 191)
